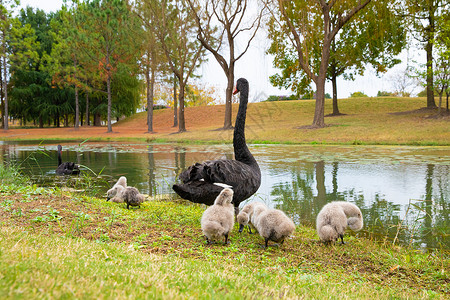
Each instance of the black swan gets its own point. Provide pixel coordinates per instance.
(67, 168)
(203, 182)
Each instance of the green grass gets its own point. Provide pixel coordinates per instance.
(60, 245)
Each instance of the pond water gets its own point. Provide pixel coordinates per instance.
(403, 192)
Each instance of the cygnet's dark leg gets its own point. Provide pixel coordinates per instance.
(342, 239)
(250, 229)
(226, 238)
(266, 243)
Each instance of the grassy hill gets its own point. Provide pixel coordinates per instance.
(384, 120)
(365, 121)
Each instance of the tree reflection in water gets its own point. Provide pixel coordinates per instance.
(422, 223)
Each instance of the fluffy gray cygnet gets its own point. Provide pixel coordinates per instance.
(335, 217)
(218, 219)
(132, 197)
(244, 217)
(115, 194)
(272, 225)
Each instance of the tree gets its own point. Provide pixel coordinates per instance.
(375, 37)
(64, 62)
(152, 61)
(109, 37)
(403, 82)
(422, 16)
(33, 97)
(231, 19)
(176, 30)
(313, 24)
(198, 94)
(442, 80)
(17, 45)
(444, 40)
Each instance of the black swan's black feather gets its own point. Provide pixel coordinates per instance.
(66, 168)
(243, 173)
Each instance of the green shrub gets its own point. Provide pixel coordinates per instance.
(358, 95)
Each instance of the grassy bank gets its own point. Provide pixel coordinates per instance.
(390, 121)
(60, 245)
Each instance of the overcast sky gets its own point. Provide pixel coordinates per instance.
(256, 66)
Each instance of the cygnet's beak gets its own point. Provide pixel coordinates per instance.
(241, 228)
(108, 198)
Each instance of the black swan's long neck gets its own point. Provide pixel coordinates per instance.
(241, 152)
(59, 158)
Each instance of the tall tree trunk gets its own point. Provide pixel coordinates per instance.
(97, 119)
(333, 72)
(440, 102)
(77, 103)
(175, 102)
(150, 86)
(335, 100)
(5, 90)
(430, 92)
(447, 94)
(430, 30)
(87, 108)
(108, 88)
(181, 122)
(319, 113)
(228, 101)
(77, 109)
(41, 122)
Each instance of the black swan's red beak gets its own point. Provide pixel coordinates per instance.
(235, 91)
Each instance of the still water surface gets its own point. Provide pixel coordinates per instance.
(403, 192)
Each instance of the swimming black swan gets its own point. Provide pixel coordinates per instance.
(201, 182)
(67, 168)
